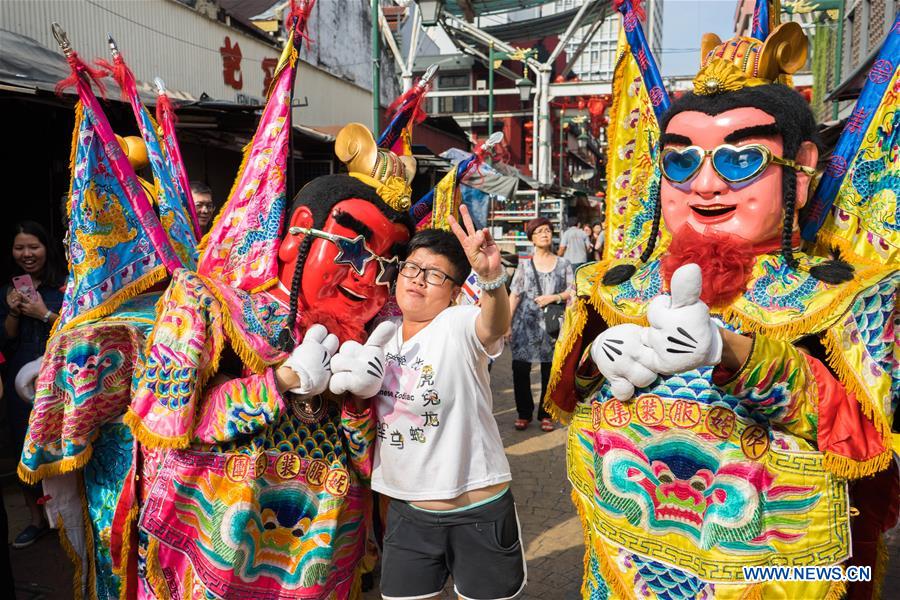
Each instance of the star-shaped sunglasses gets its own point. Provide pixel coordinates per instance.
(734, 164)
(356, 253)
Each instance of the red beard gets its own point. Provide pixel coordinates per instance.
(726, 262)
(345, 328)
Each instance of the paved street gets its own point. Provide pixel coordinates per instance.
(550, 526)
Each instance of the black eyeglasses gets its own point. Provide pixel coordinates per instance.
(356, 253)
(434, 277)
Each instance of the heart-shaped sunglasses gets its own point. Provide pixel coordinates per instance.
(734, 164)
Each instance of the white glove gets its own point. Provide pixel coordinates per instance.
(616, 353)
(359, 369)
(311, 360)
(26, 377)
(681, 336)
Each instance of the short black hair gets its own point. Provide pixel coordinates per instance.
(198, 187)
(443, 243)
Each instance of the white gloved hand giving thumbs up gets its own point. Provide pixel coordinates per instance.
(681, 336)
(359, 369)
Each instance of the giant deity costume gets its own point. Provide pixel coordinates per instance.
(690, 460)
(215, 483)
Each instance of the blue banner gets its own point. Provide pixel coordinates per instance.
(634, 33)
(848, 145)
(761, 20)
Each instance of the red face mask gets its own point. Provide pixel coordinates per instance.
(336, 289)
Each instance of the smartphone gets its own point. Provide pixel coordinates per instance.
(25, 286)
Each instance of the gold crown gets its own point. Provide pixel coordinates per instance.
(381, 169)
(745, 62)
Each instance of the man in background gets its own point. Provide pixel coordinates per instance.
(203, 204)
(575, 245)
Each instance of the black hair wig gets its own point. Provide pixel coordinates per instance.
(795, 123)
(320, 196)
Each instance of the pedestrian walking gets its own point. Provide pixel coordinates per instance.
(538, 294)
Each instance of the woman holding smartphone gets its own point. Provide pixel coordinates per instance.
(29, 305)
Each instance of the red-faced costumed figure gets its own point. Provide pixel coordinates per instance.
(729, 395)
(254, 473)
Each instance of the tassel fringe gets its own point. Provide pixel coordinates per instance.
(88, 540)
(238, 344)
(573, 327)
(842, 466)
(607, 569)
(837, 590)
(153, 572)
(226, 208)
(66, 465)
(152, 439)
(77, 586)
(135, 288)
(122, 571)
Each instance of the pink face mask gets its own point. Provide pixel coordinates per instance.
(752, 209)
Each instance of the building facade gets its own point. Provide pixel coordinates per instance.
(598, 61)
(199, 48)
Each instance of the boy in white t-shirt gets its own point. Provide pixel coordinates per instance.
(438, 452)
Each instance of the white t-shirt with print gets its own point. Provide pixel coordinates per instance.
(436, 434)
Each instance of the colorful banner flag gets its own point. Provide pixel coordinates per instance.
(165, 116)
(632, 171)
(117, 247)
(171, 202)
(242, 247)
(407, 111)
(761, 23)
(856, 206)
(434, 208)
(632, 13)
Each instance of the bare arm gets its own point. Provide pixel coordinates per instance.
(736, 349)
(514, 300)
(484, 257)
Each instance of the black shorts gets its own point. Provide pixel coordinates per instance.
(480, 547)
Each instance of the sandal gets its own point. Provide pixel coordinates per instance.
(522, 424)
(547, 425)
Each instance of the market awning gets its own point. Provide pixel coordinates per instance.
(28, 67)
(541, 27)
(479, 8)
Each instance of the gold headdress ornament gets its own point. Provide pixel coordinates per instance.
(381, 169)
(745, 62)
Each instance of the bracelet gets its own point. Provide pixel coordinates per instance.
(491, 284)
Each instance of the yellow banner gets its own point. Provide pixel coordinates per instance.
(865, 220)
(632, 176)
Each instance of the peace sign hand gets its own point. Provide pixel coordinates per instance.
(482, 252)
